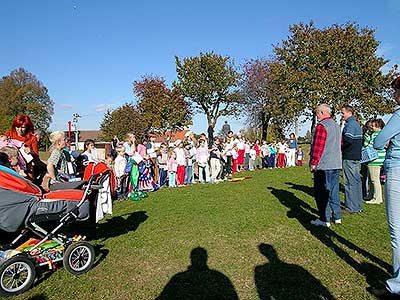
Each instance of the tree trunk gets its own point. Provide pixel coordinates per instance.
(313, 124)
(264, 126)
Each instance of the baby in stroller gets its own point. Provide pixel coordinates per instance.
(23, 206)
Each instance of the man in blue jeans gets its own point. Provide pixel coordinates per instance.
(351, 152)
(325, 163)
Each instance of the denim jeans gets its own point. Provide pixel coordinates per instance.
(162, 176)
(326, 191)
(392, 198)
(246, 161)
(352, 185)
(271, 162)
(188, 175)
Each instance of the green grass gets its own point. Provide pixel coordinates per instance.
(144, 244)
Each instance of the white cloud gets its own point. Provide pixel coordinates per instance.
(103, 107)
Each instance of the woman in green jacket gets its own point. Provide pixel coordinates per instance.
(374, 167)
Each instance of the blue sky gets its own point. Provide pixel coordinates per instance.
(88, 53)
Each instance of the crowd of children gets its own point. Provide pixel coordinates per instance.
(188, 161)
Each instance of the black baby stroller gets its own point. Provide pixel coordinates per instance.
(23, 206)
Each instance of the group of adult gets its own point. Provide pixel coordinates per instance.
(333, 150)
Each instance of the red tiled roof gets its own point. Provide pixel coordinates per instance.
(175, 135)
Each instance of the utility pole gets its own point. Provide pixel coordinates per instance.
(75, 120)
(69, 135)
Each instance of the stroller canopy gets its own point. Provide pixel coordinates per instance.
(11, 180)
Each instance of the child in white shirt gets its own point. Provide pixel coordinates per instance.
(119, 171)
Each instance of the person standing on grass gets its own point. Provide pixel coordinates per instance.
(292, 147)
(162, 158)
(390, 134)
(119, 171)
(300, 156)
(374, 167)
(258, 161)
(281, 154)
(228, 153)
(272, 156)
(264, 154)
(352, 139)
(215, 161)
(181, 161)
(367, 132)
(240, 144)
(325, 164)
(172, 166)
(151, 149)
(253, 155)
(247, 147)
(202, 156)
(188, 179)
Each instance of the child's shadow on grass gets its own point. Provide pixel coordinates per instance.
(198, 282)
(115, 226)
(301, 212)
(281, 281)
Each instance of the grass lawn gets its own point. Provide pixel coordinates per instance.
(257, 236)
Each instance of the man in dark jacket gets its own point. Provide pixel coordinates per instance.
(351, 152)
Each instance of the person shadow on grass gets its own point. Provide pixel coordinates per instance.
(300, 210)
(281, 281)
(199, 282)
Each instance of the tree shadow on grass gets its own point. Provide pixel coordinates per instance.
(115, 226)
(332, 240)
(198, 282)
(281, 281)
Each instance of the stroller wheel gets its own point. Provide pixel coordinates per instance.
(17, 275)
(78, 258)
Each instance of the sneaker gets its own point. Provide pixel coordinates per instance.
(338, 221)
(318, 222)
(373, 202)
